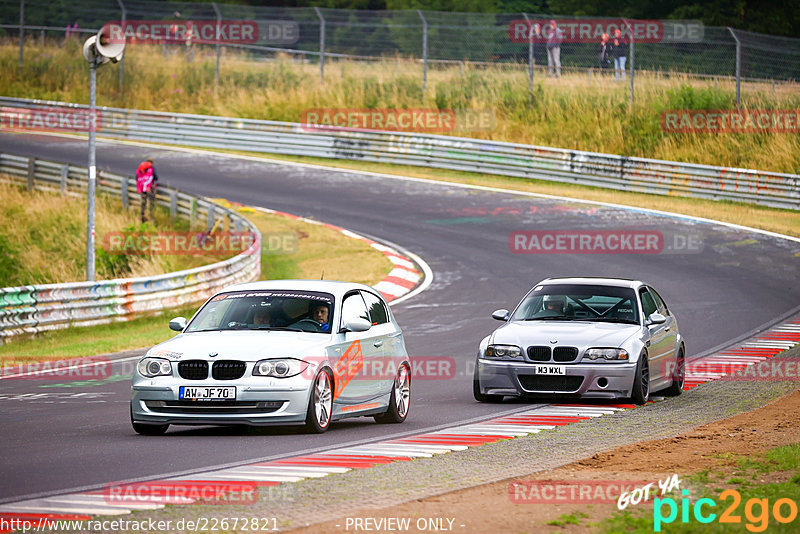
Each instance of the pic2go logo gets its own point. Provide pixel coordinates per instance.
(756, 511)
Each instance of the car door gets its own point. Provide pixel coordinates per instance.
(390, 341)
(355, 354)
(659, 349)
(671, 333)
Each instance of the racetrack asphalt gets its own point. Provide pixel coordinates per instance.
(65, 437)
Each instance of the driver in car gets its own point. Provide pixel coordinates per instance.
(555, 303)
(261, 316)
(319, 313)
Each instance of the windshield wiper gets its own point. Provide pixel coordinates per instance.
(267, 327)
(554, 318)
(606, 320)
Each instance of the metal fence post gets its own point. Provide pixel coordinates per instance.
(173, 204)
(632, 60)
(122, 61)
(64, 173)
(21, 33)
(216, 37)
(210, 220)
(321, 46)
(424, 51)
(124, 191)
(31, 172)
(738, 65)
(90, 226)
(531, 58)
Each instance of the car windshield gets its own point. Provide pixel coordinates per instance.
(301, 311)
(572, 302)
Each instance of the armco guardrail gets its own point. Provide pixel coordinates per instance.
(30, 309)
(463, 154)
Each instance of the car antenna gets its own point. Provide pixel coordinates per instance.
(322, 276)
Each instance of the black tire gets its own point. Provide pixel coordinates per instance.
(641, 381)
(481, 397)
(320, 403)
(400, 400)
(678, 376)
(148, 429)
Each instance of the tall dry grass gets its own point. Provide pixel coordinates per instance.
(576, 111)
(43, 239)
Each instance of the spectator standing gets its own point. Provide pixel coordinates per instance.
(146, 179)
(620, 53)
(604, 52)
(554, 39)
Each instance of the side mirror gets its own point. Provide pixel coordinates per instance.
(177, 324)
(500, 315)
(356, 325)
(656, 318)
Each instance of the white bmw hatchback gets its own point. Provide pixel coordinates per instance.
(277, 353)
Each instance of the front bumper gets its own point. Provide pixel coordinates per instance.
(259, 401)
(605, 380)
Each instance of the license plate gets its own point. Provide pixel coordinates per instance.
(207, 393)
(559, 370)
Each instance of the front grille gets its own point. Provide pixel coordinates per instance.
(228, 370)
(193, 369)
(550, 383)
(217, 407)
(565, 354)
(539, 354)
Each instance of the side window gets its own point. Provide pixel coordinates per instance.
(377, 311)
(353, 308)
(648, 304)
(662, 306)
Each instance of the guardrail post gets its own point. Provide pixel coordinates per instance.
(210, 219)
(219, 24)
(321, 46)
(531, 58)
(21, 33)
(31, 171)
(424, 51)
(192, 211)
(64, 173)
(122, 61)
(173, 204)
(124, 192)
(738, 65)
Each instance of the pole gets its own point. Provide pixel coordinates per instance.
(219, 26)
(531, 58)
(738, 66)
(92, 171)
(122, 61)
(631, 49)
(321, 46)
(21, 33)
(424, 51)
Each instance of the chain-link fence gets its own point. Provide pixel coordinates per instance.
(432, 39)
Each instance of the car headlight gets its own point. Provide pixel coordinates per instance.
(279, 368)
(606, 354)
(503, 351)
(151, 367)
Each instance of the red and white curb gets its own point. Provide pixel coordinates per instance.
(153, 495)
(403, 277)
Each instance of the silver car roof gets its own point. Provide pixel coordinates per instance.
(333, 287)
(597, 281)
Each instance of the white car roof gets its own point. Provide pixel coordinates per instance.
(599, 281)
(333, 287)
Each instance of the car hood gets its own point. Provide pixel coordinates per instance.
(243, 345)
(573, 333)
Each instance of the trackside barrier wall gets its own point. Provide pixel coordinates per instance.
(474, 155)
(36, 308)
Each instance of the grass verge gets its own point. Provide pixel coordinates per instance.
(315, 248)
